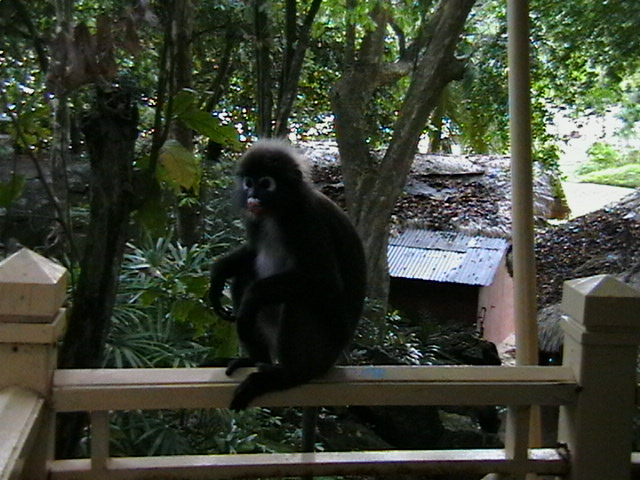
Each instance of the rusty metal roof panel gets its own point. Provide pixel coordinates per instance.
(445, 257)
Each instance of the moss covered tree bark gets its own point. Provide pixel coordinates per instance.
(110, 131)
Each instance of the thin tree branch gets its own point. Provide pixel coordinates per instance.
(160, 131)
(224, 70)
(38, 44)
(289, 84)
(263, 68)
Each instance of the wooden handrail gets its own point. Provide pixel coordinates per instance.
(127, 389)
(21, 413)
(485, 461)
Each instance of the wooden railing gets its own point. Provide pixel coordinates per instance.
(100, 391)
(595, 390)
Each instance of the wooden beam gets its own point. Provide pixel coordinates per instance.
(434, 462)
(21, 413)
(34, 333)
(126, 389)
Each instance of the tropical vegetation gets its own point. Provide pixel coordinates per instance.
(156, 99)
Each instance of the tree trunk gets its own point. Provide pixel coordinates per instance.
(110, 131)
(263, 68)
(373, 185)
(61, 134)
(189, 215)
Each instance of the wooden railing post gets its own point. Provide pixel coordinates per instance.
(32, 321)
(602, 334)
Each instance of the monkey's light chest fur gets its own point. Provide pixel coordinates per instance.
(272, 257)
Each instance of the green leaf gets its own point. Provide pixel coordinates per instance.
(10, 191)
(183, 102)
(224, 340)
(181, 309)
(151, 214)
(196, 285)
(228, 136)
(178, 167)
(200, 315)
(148, 298)
(202, 122)
(208, 125)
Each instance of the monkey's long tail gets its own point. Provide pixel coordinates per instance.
(268, 378)
(309, 426)
(271, 378)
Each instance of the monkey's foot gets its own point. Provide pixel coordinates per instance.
(272, 379)
(237, 363)
(254, 385)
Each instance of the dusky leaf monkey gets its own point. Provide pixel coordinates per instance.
(297, 284)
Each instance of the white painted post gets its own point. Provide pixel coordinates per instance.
(32, 321)
(602, 334)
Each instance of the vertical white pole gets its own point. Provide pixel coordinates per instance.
(522, 184)
(522, 226)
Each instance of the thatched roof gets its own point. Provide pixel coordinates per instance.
(604, 241)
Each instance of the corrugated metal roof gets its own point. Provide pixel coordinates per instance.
(445, 257)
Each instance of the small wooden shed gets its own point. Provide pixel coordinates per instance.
(453, 277)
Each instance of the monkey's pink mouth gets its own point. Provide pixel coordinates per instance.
(254, 206)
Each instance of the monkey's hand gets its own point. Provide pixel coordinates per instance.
(215, 294)
(225, 313)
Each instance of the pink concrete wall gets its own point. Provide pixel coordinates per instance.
(495, 307)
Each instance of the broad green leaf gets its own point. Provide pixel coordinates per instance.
(202, 122)
(10, 191)
(148, 298)
(178, 167)
(208, 125)
(152, 216)
(183, 102)
(223, 337)
(228, 136)
(196, 285)
(182, 308)
(200, 315)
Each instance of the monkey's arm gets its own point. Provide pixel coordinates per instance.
(234, 264)
(281, 288)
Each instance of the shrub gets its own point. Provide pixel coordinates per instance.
(624, 176)
(600, 155)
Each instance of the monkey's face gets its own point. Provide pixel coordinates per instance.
(260, 194)
(270, 180)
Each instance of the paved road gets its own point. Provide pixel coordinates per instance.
(587, 197)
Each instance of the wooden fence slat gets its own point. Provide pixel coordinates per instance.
(337, 375)
(126, 389)
(99, 441)
(543, 461)
(20, 414)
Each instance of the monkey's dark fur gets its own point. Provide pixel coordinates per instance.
(298, 283)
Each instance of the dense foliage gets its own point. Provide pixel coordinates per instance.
(207, 76)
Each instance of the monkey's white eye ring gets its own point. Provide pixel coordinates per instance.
(247, 183)
(267, 183)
